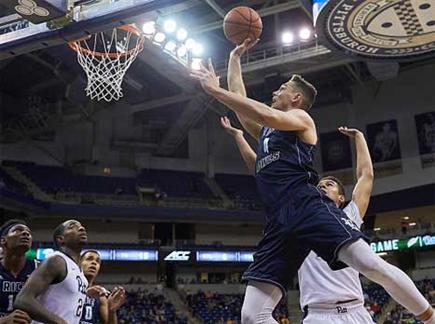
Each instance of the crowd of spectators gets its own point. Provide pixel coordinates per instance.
(211, 308)
(400, 315)
(375, 298)
(216, 308)
(151, 308)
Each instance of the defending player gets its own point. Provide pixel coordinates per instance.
(101, 309)
(56, 291)
(300, 218)
(15, 268)
(328, 296)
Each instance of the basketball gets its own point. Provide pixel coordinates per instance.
(241, 23)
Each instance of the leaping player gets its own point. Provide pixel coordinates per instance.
(55, 292)
(328, 296)
(101, 308)
(15, 268)
(299, 217)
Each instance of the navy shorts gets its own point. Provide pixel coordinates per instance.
(307, 221)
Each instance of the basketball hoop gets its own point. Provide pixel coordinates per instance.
(106, 57)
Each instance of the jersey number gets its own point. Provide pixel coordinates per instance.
(266, 145)
(79, 308)
(88, 313)
(11, 303)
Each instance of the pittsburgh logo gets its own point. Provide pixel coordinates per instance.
(379, 28)
(30, 7)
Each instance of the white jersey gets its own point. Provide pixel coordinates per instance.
(320, 285)
(66, 298)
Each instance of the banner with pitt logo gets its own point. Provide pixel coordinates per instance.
(377, 29)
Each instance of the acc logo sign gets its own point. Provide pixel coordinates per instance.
(30, 7)
(178, 256)
(388, 29)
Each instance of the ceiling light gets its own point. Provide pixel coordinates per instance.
(304, 33)
(182, 34)
(149, 28)
(198, 49)
(160, 37)
(287, 38)
(170, 26)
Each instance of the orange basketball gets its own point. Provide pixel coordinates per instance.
(241, 23)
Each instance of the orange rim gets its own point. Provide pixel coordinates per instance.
(75, 44)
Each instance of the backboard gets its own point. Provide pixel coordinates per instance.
(18, 35)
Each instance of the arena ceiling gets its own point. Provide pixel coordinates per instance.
(42, 91)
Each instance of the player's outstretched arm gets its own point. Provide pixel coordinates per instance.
(364, 170)
(293, 120)
(245, 149)
(236, 84)
(51, 271)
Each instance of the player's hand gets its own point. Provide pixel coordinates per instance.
(351, 132)
(241, 49)
(226, 125)
(116, 299)
(97, 292)
(16, 317)
(207, 77)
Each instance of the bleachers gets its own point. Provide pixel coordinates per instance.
(52, 179)
(10, 183)
(241, 189)
(375, 299)
(213, 307)
(168, 184)
(400, 315)
(143, 307)
(176, 183)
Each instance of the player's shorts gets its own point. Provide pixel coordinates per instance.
(337, 314)
(308, 221)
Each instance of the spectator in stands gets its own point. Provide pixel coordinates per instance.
(143, 307)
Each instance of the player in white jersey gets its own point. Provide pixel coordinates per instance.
(56, 291)
(329, 296)
(336, 296)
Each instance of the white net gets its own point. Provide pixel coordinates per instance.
(106, 58)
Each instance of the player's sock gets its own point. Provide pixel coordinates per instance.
(360, 256)
(260, 301)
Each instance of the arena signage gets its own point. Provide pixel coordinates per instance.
(111, 254)
(403, 244)
(386, 29)
(224, 256)
(178, 256)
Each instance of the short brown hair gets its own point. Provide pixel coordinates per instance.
(308, 91)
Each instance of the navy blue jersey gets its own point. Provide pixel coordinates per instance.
(91, 311)
(284, 164)
(10, 286)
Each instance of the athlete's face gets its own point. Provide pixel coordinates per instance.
(285, 97)
(74, 234)
(91, 264)
(19, 237)
(331, 189)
